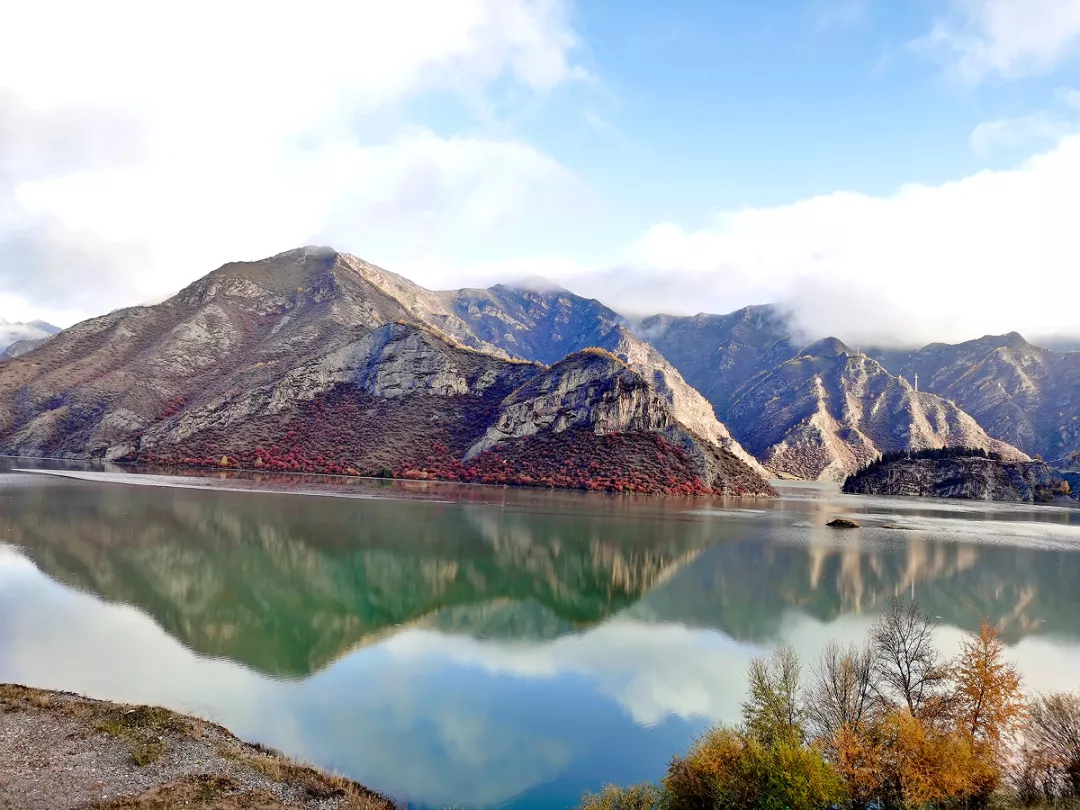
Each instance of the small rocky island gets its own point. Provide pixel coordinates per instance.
(961, 472)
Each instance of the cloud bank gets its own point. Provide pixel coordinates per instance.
(991, 253)
(141, 147)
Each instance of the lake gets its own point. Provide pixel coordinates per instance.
(487, 647)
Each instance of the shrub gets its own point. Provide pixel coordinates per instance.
(731, 770)
(635, 797)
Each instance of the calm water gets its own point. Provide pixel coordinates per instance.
(482, 647)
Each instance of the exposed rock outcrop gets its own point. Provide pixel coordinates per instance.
(972, 478)
(548, 323)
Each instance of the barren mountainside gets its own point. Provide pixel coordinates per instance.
(719, 354)
(1020, 393)
(547, 324)
(829, 411)
(17, 338)
(315, 360)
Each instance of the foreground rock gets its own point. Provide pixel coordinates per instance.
(971, 478)
(315, 361)
(842, 523)
(60, 751)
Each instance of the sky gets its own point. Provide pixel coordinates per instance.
(898, 172)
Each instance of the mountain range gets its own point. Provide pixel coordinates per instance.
(316, 360)
(19, 338)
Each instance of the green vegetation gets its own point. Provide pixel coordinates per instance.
(889, 725)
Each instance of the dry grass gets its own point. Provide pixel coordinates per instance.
(244, 783)
(318, 785)
(207, 792)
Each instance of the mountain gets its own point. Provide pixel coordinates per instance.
(315, 360)
(1022, 394)
(23, 336)
(545, 324)
(829, 411)
(718, 354)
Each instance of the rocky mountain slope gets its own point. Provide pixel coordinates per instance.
(1019, 393)
(829, 411)
(972, 478)
(314, 360)
(546, 324)
(719, 354)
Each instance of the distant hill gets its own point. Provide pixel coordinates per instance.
(1017, 393)
(17, 338)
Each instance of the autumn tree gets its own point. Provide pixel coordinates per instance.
(988, 704)
(772, 712)
(925, 766)
(844, 713)
(910, 671)
(732, 770)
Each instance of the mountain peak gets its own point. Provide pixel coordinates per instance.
(305, 252)
(828, 347)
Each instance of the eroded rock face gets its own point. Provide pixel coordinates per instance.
(586, 390)
(968, 478)
(547, 324)
(829, 411)
(599, 391)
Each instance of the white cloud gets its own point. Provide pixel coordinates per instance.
(990, 253)
(1020, 132)
(1069, 96)
(1007, 38)
(141, 146)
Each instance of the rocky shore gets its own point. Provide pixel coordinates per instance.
(60, 751)
(971, 478)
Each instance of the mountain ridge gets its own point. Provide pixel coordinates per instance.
(263, 363)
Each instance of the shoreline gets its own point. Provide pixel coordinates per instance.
(64, 751)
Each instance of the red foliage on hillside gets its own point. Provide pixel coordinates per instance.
(344, 432)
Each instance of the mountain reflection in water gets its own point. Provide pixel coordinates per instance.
(521, 645)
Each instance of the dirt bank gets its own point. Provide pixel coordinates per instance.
(60, 751)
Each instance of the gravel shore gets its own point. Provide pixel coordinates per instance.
(60, 751)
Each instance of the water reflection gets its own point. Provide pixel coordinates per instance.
(475, 653)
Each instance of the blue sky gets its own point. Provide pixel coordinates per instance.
(868, 163)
